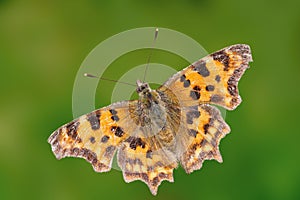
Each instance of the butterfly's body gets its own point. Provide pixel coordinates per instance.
(149, 110)
(173, 124)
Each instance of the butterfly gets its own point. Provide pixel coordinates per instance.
(174, 124)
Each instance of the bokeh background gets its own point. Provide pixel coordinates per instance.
(43, 43)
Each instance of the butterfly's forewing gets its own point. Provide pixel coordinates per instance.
(213, 79)
(95, 136)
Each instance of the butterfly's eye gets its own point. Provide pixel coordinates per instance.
(140, 89)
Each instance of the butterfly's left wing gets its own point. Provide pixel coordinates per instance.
(95, 136)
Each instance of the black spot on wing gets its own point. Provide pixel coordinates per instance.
(182, 78)
(94, 119)
(117, 131)
(115, 118)
(104, 139)
(218, 78)
(186, 83)
(210, 88)
(195, 93)
(201, 68)
(113, 112)
(92, 140)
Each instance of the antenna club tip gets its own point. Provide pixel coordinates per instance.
(156, 29)
(90, 75)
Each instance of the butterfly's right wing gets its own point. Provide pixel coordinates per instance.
(211, 80)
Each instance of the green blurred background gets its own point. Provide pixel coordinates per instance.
(43, 43)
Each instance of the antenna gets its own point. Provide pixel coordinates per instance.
(151, 52)
(106, 79)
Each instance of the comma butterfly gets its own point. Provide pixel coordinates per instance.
(174, 124)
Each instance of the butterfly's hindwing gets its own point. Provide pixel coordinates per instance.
(204, 128)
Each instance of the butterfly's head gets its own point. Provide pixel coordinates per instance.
(142, 88)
